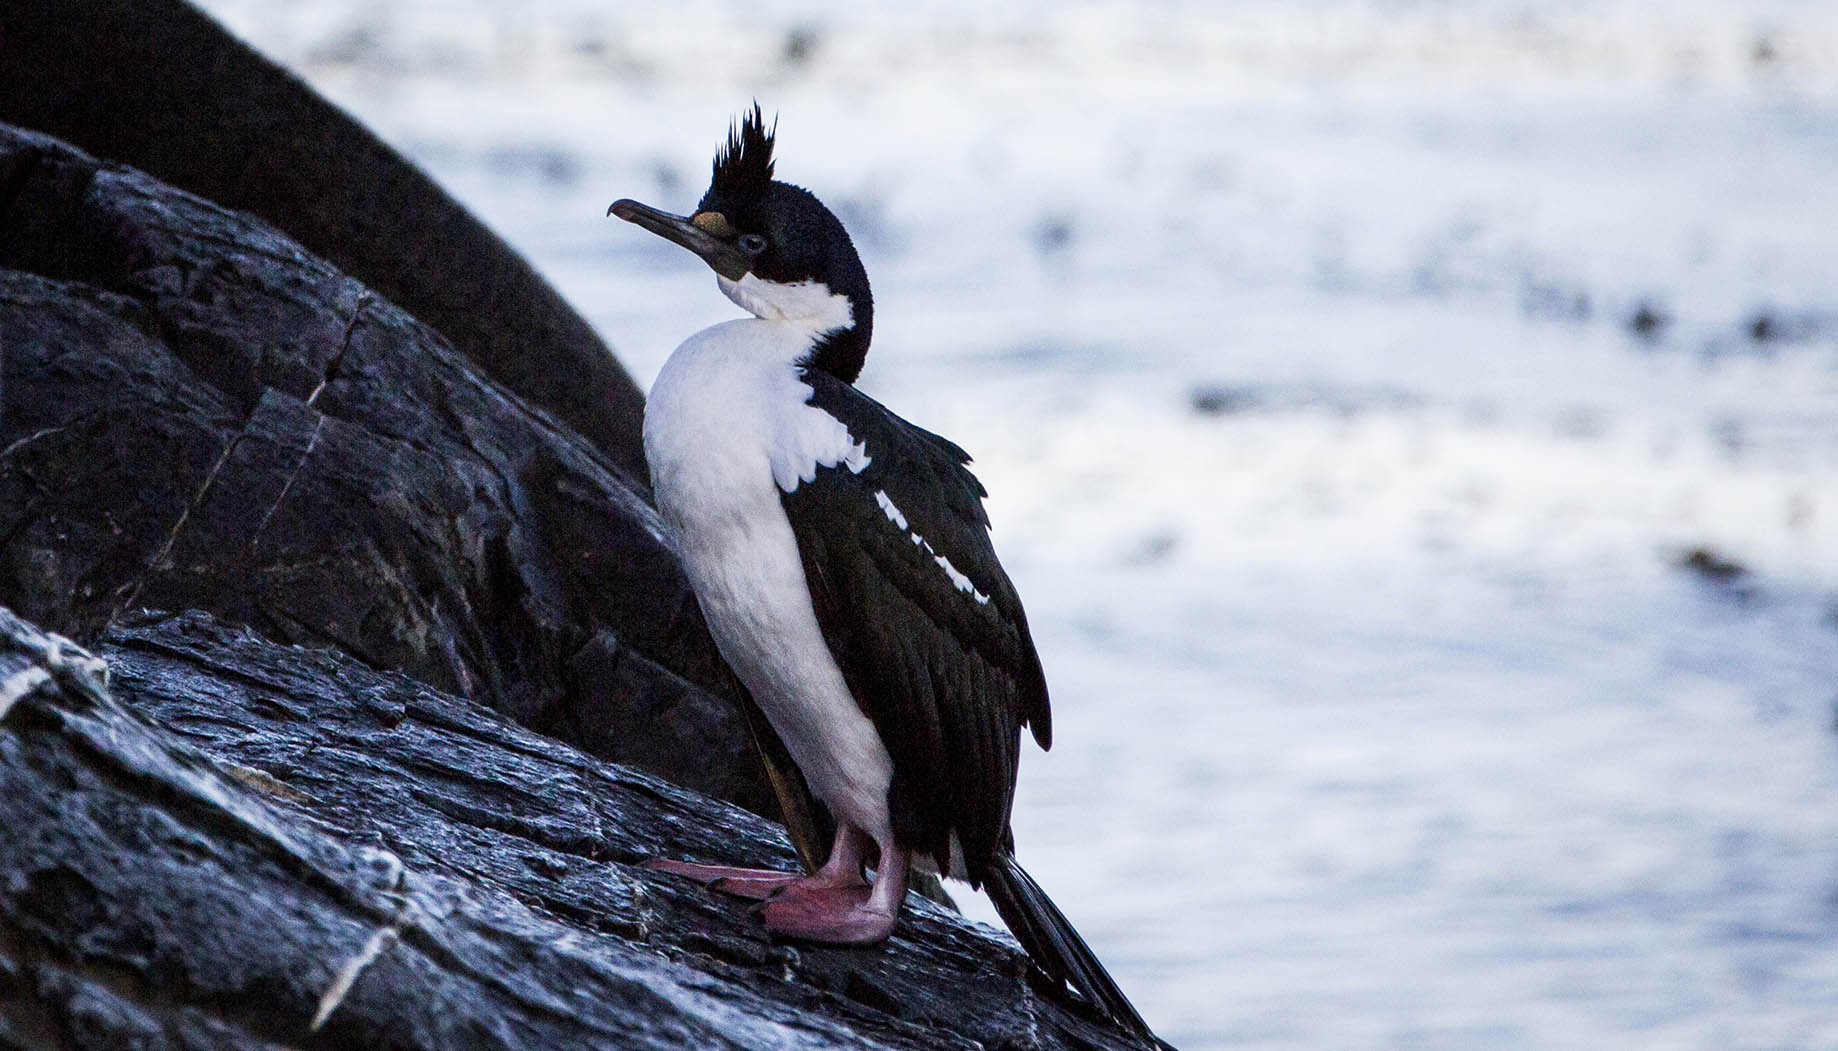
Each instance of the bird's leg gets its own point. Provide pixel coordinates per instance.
(843, 868)
(849, 914)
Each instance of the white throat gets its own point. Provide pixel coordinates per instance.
(808, 304)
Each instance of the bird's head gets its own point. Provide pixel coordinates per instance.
(775, 249)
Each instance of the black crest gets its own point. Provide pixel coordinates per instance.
(743, 168)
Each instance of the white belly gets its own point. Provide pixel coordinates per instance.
(726, 417)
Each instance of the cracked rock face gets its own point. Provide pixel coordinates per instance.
(197, 413)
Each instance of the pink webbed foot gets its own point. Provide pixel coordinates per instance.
(755, 884)
(833, 905)
(832, 915)
(842, 913)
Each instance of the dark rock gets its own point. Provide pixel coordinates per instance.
(158, 85)
(195, 412)
(247, 845)
(1728, 576)
(1053, 234)
(801, 44)
(1222, 400)
(1649, 321)
(1711, 565)
(1555, 301)
(1771, 327)
(1764, 328)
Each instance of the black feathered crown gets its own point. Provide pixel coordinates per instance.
(743, 168)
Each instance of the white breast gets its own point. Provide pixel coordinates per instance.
(728, 426)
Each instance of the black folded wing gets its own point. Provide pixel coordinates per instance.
(925, 625)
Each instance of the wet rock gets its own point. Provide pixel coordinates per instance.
(218, 842)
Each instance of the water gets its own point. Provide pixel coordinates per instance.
(1298, 345)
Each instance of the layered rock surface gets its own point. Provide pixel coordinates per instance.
(208, 840)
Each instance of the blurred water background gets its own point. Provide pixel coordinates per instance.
(1413, 426)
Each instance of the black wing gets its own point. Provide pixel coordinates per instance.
(945, 669)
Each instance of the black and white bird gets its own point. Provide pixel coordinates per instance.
(842, 560)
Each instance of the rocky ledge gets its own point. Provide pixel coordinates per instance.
(208, 840)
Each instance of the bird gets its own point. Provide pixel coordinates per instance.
(842, 560)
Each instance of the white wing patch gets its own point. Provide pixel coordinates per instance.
(810, 438)
(959, 580)
(887, 506)
(963, 582)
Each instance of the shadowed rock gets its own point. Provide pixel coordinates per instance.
(158, 85)
(244, 845)
(195, 412)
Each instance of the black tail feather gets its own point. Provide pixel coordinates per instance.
(1048, 937)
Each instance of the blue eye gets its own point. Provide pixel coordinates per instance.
(752, 244)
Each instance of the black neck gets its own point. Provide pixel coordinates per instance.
(841, 352)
